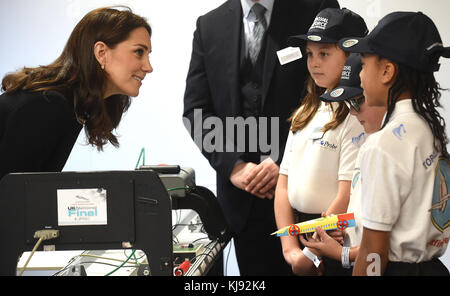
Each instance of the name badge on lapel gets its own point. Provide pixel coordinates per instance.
(289, 54)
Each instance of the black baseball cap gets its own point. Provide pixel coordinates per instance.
(333, 24)
(408, 38)
(350, 85)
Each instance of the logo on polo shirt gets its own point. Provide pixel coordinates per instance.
(440, 209)
(327, 145)
(357, 140)
(399, 131)
(429, 160)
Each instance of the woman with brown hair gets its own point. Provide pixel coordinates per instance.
(43, 109)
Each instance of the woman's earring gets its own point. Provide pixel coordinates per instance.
(103, 66)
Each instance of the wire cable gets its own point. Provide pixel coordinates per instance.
(31, 255)
(142, 256)
(228, 256)
(121, 265)
(179, 188)
(68, 264)
(142, 154)
(105, 263)
(43, 234)
(100, 257)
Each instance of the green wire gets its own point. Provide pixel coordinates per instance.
(178, 188)
(121, 265)
(135, 259)
(142, 154)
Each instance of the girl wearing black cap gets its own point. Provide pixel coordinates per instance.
(405, 170)
(318, 162)
(339, 258)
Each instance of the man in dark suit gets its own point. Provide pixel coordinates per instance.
(230, 92)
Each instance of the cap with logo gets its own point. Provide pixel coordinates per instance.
(350, 84)
(408, 38)
(333, 24)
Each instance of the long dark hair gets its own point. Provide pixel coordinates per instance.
(425, 94)
(76, 72)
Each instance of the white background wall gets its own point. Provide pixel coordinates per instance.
(34, 32)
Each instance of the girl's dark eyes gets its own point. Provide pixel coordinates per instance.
(323, 54)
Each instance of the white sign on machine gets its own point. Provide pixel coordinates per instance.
(86, 206)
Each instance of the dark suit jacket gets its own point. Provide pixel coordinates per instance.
(212, 84)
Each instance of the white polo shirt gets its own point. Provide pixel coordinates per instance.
(354, 234)
(315, 161)
(404, 187)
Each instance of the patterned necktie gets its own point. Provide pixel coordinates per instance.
(255, 39)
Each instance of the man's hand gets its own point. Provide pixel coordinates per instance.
(263, 178)
(239, 178)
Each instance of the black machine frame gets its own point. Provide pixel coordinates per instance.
(137, 205)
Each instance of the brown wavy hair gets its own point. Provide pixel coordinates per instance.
(310, 104)
(77, 73)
